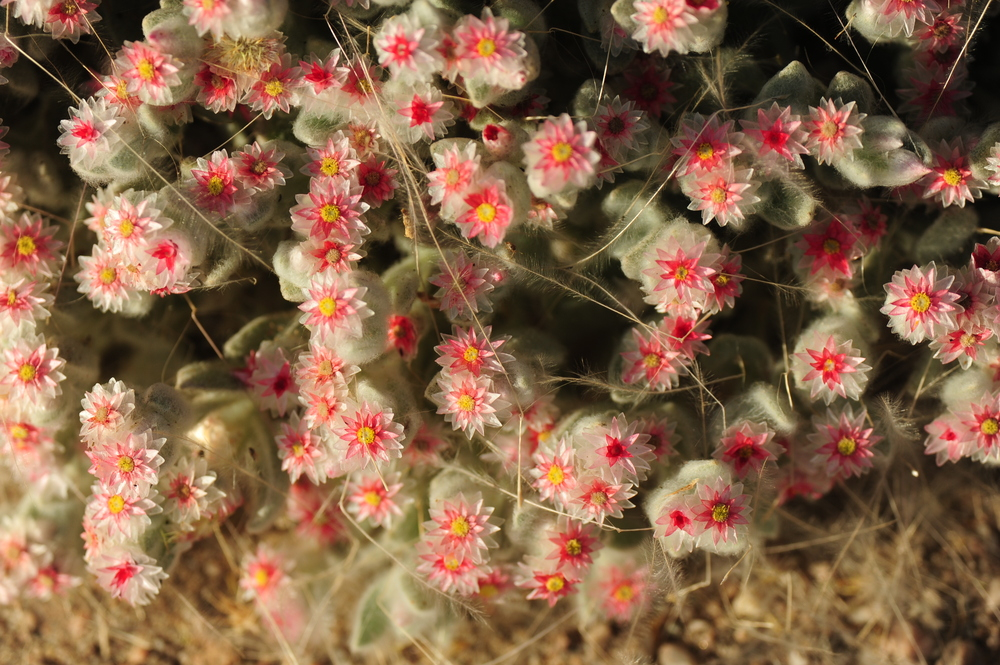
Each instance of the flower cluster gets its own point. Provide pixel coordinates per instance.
(454, 550)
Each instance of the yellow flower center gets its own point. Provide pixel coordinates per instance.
(451, 563)
(261, 578)
(488, 590)
(486, 212)
(19, 432)
(26, 246)
(829, 365)
(366, 436)
(831, 246)
(952, 177)
(555, 583)
(681, 273)
(705, 151)
(27, 372)
(624, 593)
(846, 446)
(329, 213)
(460, 527)
(101, 415)
(108, 276)
(216, 185)
(829, 129)
(365, 86)
(274, 88)
(598, 498)
(920, 302)
(298, 449)
(562, 151)
(471, 354)
(11, 297)
(327, 307)
(968, 340)
(127, 228)
(720, 513)
(466, 403)
(126, 464)
(573, 547)
(651, 360)
(722, 280)
(329, 166)
(659, 16)
(373, 498)
(486, 47)
(116, 504)
(718, 195)
(555, 474)
(146, 70)
(452, 177)
(990, 427)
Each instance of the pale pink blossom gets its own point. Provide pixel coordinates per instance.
(919, 305)
(561, 156)
(302, 451)
(30, 373)
(844, 444)
(128, 573)
(371, 435)
(554, 472)
(107, 411)
(468, 402)
(834, 130)
(90, 136)
(369, 498)
(488, 212)
(149, 73)
(831, 369)
(746, 446)
(663, 26)
(488, 50)
(723, 509)
(334, 307)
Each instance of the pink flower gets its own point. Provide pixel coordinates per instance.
(334, 307)
(829, 249)
(467, 402)
(214, 185)
(951, 181)
(71, 18)
(31, 373)
(727, 283)
(275, 88)
(982, 426)
(302, 451)
(127, 225)
(132, 462)
(941, 35)
(28, 248)
(423, 114)
(554, 472)
(89, 136)
(844, 443)
(949, 438)
(322, 369)
(462, 526)
(619, 127)
(128, 574)
(919, 305)
(596, 499)
(463, 287)
(648, 85)
(264, 574)
(189, 491)
(216, 91)
(560, 156)
(488, 50)
(107, 410)
(321, 74)
(623, 592)
(746, 446)
(962, 345)
(663, 26)
(548, 585)
(259, 167)
(23, 304)
(488, 213)
(102, 280)
(408, 49)
(832, 370)
(678, 515)
(371, 499)
(870, 223)
(725, 195)
(323, 406)
(120, 514)
(271, 381)
(834, 130)
(371, 436)
(336, 160)
(451, 180)
(619, 450)
(468, 352)
(331, 209)
(448, 570)
(901, 15)
(723, 509)
(574, 544)
(377, 181)
(706, 147)
(682, 275)
(778, 136)
(208, 15)
(149, 73)
(403, 336)
(331, 254)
